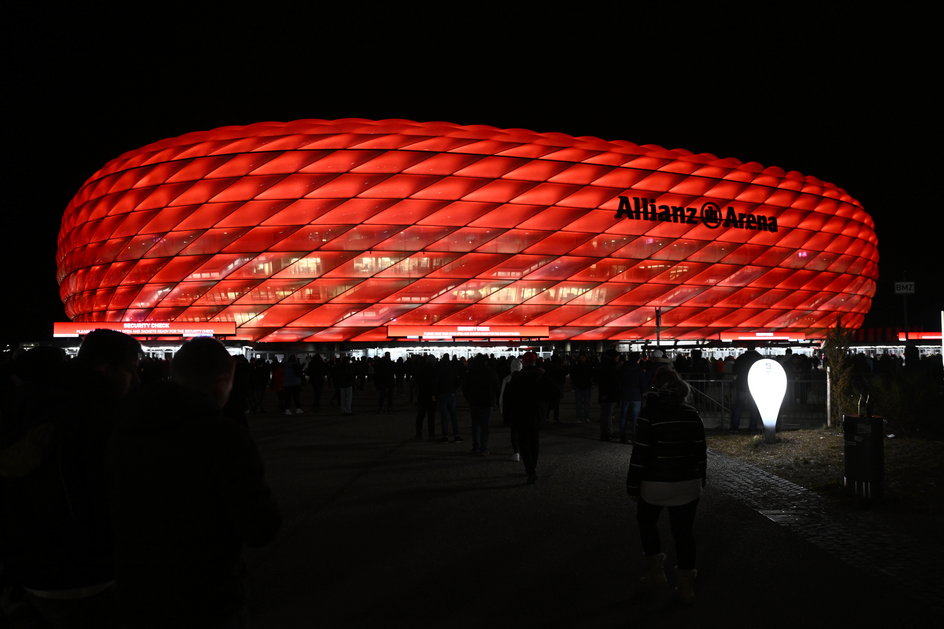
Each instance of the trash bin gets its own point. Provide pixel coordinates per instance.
(864, 453)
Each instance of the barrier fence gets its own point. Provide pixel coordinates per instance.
(804, 405)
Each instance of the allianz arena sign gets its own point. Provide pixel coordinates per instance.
(354, 230)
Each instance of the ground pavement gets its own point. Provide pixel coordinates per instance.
(384, 530)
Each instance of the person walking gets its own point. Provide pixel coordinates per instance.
(480, 389)
(446, 384)
(385, 380)
(316, 372)
(668, 468)
(425, 381)
(609, 396)
(514, 367)
(581, 378)
(343, 377)
(292, 380)
(526, 399)
(632, 385)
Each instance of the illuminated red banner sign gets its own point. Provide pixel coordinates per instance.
(920, 336)
(762, 336)
(447, 332)
(146, 328)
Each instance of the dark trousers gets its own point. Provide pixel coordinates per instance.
(682, 524)
(385, 397)
(480, 418)
(426, 409)
(742, 400)
(527, 433)
(316, 385)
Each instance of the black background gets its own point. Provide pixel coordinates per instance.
(837, 91)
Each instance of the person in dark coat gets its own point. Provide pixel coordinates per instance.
(344, 378)
(742, 393)
(316, 372)
(525, 402)
(385, 378)
(447, 382)
(632, 383)
(480, 388)
(425, 381)
(607, 377)
(188, 492)
(668, 468)
(58, 539)
(557, 375)
(581, 378)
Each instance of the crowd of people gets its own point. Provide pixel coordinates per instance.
(129, 485)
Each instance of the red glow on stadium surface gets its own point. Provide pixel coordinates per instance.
(321, 230)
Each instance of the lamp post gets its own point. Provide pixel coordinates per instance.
(767, 382)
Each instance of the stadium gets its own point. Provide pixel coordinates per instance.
(391, 231)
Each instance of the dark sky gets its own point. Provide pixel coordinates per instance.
(839, 92)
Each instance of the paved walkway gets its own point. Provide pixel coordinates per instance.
(382, 530)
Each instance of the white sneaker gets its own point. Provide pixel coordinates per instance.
(516, 457)
(299, 411)
(288, 412)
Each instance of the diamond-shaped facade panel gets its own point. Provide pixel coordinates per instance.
(324, 230)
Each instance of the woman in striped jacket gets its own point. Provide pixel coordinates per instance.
(668, 469)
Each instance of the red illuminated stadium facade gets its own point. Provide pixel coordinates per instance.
(359, 230)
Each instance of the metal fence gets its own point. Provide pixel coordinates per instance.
(804, 405)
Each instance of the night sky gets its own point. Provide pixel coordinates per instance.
(840, 92)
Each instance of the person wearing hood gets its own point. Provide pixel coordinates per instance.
(525, 402)
(188, 492)
(668, 469)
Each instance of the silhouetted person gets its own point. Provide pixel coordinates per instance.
(425, 381)
(344, 377)
(58, 528)
(481, 388)
(447, 382)
(556, 374)
(668, 469)
(292, 380)
(514, 367)
(525, 403)
(632, 384)
(316, 372)
(259, 382)
(742, 393)
(188, 492)
(386, 379)
(581, 378)
(608, 392)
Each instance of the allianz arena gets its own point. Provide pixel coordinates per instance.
(367, 231)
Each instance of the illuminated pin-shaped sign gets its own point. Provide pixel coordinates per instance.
(767, 382)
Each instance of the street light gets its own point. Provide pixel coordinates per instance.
(767, 382)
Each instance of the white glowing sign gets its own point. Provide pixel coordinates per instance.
(767, 382)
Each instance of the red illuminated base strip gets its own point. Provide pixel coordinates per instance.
(919, 336)
(147, 328)
(763, 336)
(448, 332)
